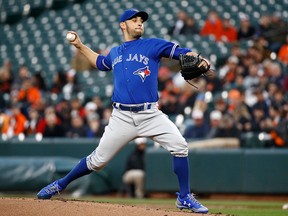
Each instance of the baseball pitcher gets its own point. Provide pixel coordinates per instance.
(135, 111)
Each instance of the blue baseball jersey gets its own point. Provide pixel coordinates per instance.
(135, 65)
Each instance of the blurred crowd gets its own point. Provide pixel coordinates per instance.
(27, 106)
(247, 94)
(270, 31)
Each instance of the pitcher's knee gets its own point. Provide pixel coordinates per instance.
(94, 163)
(180, 149)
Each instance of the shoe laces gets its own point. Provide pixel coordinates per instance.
(52, 189)
(193, 199)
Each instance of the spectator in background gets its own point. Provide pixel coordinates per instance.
(76, 108)
(246, 62)
(271, 90)
(135, 170)
(228, 128)
(228, 72)
(13, 97)
(279, 98)
(239, 110)
(261, 100)
(280, 133)
(229, 32)
(215, 124)
(199, 127)
(213, 26)
(258, 119)
(213, 83)
(271, 127)
(186, 98)
(43, 120)
(29, 95)
(59, 81)
(200, 103)
(191, 27)
(257, 53)
(107, 112)
(95, 128)
(237, 50)
(220, 104)
(261, 47)
(273, 71)
(52, 127)
(263, 81)
(71, 87)
(77, 128)
(246, 30)
(164, 75)
(168, 90)
(239, 82)
(4, 121)
(17, 122)
(283, 52)
(90, 109)
(100, 106)
(39, 82)
(285, 83)
(43, 103)
(23, 74)
(274, 114)
(180, 24)
(6, 78)
(33, 121)
(252, 79)
(169, 102)
(278, 32)
(63, 111)
(264, 27)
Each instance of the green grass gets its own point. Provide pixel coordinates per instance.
(246, 208)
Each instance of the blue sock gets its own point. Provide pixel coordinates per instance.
(181, 169)
(79, 170)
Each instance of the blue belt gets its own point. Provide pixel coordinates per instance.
(134, 108)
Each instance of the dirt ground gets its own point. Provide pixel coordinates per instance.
(35, 207)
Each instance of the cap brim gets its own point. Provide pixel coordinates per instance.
(141, 14)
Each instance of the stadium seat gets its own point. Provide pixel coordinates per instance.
(36, 37)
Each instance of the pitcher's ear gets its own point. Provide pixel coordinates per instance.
(122, 25)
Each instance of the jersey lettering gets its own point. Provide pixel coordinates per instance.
(138, 58)
(117, 60)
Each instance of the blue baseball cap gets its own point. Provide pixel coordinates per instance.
(130, 13)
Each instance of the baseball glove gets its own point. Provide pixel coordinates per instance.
(190, 68)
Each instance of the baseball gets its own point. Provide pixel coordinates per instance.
(285, 206)
(70, 37)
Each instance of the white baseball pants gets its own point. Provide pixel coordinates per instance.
(125, 126)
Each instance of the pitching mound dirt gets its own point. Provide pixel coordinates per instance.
(34, 207)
